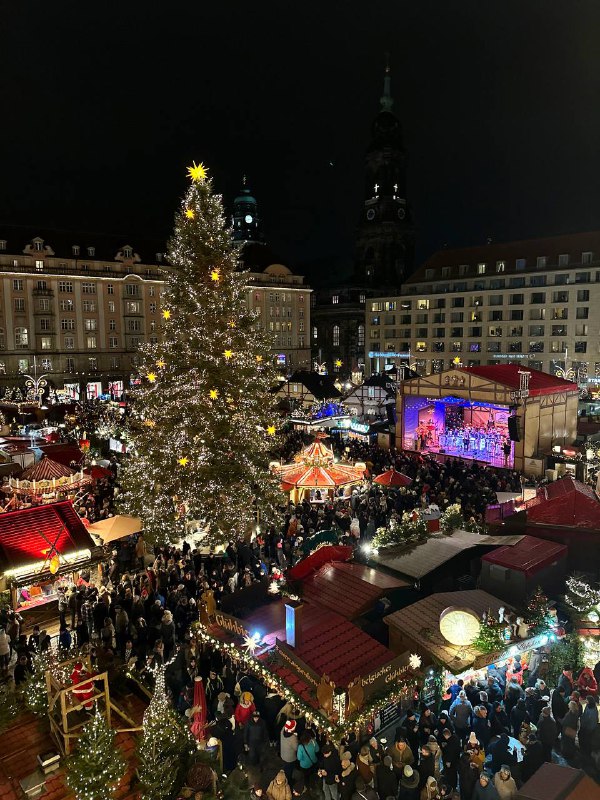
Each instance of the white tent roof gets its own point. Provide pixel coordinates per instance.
(113, 528)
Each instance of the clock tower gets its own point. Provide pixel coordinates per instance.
(385, 240)
(246, 226)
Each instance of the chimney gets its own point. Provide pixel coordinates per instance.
(293, 623)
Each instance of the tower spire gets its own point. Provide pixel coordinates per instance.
(386, 101)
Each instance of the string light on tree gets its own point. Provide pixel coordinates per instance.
(97, 766)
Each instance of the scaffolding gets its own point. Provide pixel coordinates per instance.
(68, 716)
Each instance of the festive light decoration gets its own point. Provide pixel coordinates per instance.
(161, 364)
(460, 626)
(259, 359)
(149, 423)
(163, 745)
(415, 661)
(338, 362)
(537, 614)
(190, 213)
(232, 323)
(35, 690)
(227, 477)
(213, 394)
(97, 766)
(197, 172)
(215, 275)
(250, 643)
(580, 596)
(183, 461)
(271, 430)
(151, 376)
(166, 314)
(273, 588)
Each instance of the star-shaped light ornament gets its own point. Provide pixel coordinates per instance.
(161, 364)
(415, 661)
(183, 461)
(190, 213)
(271, 430)
(259, 359)
(215, 275)
(232, 323)
(151, 376)
(338, 362)
(166, 314)
(213, 394)
(228, 354)
(250, 643)
(149, 423)
(197, 172)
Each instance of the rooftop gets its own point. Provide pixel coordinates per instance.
(529, 555)
(508, 375)
(565, 502)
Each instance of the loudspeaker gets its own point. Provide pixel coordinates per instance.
(391, 413)
(514, 430)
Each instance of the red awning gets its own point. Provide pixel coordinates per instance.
(392, 478)
(45, 470)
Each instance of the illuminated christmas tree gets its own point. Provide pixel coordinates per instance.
(34, 690)
(490, 637)
(537, 614)
(97, 766)
(202, 422)
(581, 597)
(164, 745)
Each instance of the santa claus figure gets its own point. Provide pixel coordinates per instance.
(83, 687)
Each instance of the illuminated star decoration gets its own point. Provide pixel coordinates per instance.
(160, 363)
(190, 213)
(151, 376)
(271, 430)
(259, 359)
(197, 172)
(338, 362)
(228, 354)
(415, 661)
(250, 643)
(214, 393)
(183, 461)
(232, 323)
(215, 275)
(166, 313)
(149, 423)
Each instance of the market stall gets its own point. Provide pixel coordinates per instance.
(41, 549)
(45, 482)
(114, 528)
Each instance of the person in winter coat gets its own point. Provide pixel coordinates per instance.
(431, 790)
(427, 724)
(443, 723)
(568, 731)
(547, 732)
(279, 788)
(288, 746)
(461, 713)
(4, 652)
(450, 757)
(499, 721)
(167, 633)
(329, 771)
(436, 751)
(244, 709)
(386, 780)
(347, 781)
(306, 753)
(484, 788)
(401, 755)
(468, 773)
(256, 738)
(362, 790)
(482, 727)
(502, 753)
(518, 716)
(586, 682)
(408, 788)
(558, 704)
(512, 695)
(364, 765)
(505, 783)
(409, 728)
(426, 766)
(533, 758)
(475, 752)
(588, 722)
(566, 681)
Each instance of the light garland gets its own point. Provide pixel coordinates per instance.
(580, 595)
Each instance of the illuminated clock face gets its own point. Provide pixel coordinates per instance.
(401, 213)
(248, 218)
(371, 214)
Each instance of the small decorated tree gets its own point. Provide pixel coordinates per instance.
(34, 691)
(164, 746)
(97, 766)
(537, 614)
(490, 637)
(452, 519)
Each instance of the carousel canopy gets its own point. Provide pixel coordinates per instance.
(392, 478)
(46, 477)
(314, 468)
(45, 469)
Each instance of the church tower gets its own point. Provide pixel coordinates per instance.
(246, 224)
(385, 240)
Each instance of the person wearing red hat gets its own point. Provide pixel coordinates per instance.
(288, 747)
(83, 689)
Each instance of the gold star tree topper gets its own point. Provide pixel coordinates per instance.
(197, 172)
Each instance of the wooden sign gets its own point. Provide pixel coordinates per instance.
(230, 624)
(296, 665)
(383, 679)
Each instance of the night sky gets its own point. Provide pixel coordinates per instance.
(102, 106)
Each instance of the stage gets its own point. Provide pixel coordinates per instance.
(455, 427)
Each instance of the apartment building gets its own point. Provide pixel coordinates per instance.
(534, 302)
(80, 304)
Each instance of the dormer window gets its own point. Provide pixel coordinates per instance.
(75, 249)
(39, 246)
(91, 251)
(127, 252)
(2, 244)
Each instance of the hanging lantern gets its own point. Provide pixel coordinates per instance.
(54, 564)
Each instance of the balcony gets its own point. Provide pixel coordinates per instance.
(39, 292)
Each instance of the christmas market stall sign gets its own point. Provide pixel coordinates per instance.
(386, 677)
(231, 624)
(296, 665)
(515, 648)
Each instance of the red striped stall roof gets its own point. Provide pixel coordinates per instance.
(27, 535)
(45, 469)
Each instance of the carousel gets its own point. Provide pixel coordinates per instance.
(315, 475)
(44, 482)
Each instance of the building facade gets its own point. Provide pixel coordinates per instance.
(384, 250)
(76, 307)
(528, 302)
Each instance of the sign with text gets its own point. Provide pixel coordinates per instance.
(514, 649)
(230, 624)
(296, 665)
(383, 679)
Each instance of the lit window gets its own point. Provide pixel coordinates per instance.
(91, 324)
(93, 363)
(2, 244)
(46, 343)
(39, 246)
(362, 298)
(89, 305)
(39, 266)
(315, 332)
(151, 291)
(541, 262)
(92, 342)
(500, 266)
(67, 305)
(113, 342)
(18, 285)
(111, 306)
(19, 303)
(361, 335)
(75, 249)
(127, 252)
(47, 364)
(336, 335)
(335, 299)
(91, 251)
(69, 344)
(481, 269)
